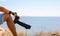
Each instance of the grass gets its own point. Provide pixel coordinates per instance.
(21, 33)
(8, 33)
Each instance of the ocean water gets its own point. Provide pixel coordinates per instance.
(38, 24)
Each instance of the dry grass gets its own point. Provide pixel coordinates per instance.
(8, 33)
(21, 33)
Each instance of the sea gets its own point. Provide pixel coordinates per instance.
(38, 24)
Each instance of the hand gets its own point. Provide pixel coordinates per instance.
(15, 14)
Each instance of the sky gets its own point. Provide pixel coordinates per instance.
(43, 14)
(33, 7)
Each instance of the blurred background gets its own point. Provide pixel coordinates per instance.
(42, 15)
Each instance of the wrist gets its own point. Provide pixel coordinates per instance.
(10, 12)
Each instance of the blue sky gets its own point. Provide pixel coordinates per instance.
(33, 7)
(45, 13)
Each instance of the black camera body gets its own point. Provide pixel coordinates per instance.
(16, 20)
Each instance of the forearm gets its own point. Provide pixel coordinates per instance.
(12, 29)
(4, 10)
(11, 25)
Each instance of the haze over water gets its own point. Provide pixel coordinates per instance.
(39, 24)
